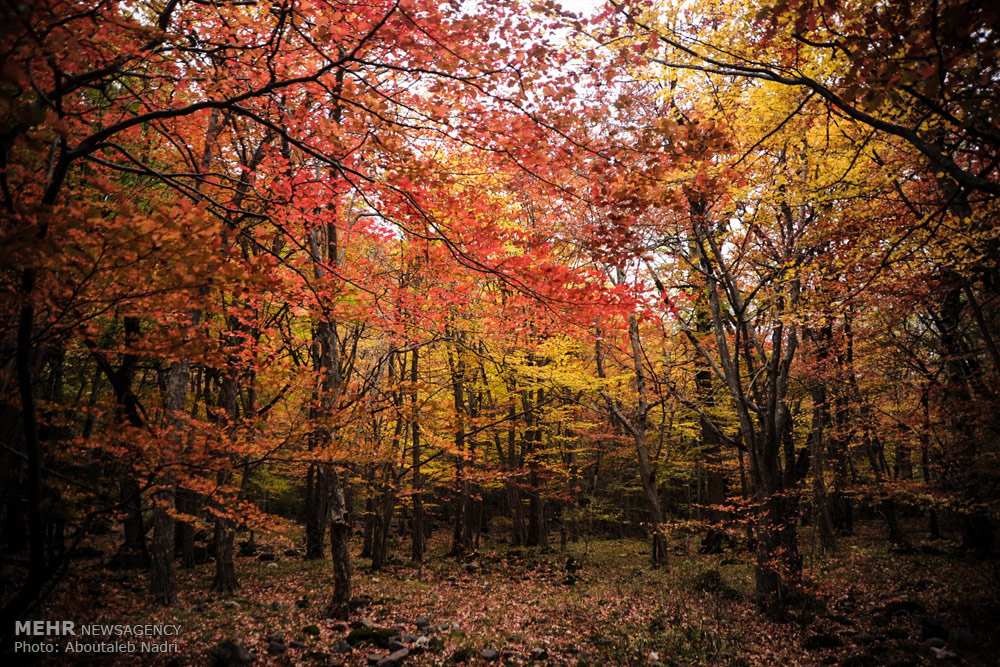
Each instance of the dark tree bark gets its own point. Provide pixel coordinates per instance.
(187, 503)
(460, 532)
(417, 551)
(316, 511)
(820, 418)
(133, 552)
(225, 581)
(821, 507)
(925, 456)
(340, 533)
(163, 579)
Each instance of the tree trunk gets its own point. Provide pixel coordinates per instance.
(460, 533)
(417, 552)
(821, 508)
(163, 580)
(380, 539)
(187, 503)
(133, 552)
(225, 581)
(340, 533)
(925, 458)
(316, 509)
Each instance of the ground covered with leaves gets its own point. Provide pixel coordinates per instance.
(592, 603)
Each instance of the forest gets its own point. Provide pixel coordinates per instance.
(383, 332)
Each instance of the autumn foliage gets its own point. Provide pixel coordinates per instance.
(341, 272)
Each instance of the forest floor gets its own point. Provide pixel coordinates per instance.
(868, 606)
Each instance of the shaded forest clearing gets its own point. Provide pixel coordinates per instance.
(590, 603)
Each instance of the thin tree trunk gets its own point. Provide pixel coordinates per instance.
(925, 459)
(821, 508)
(460, 534)
(417, 553)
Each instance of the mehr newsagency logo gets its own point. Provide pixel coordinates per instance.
(94, 638)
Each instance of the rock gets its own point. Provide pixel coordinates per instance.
(292, 553)
(409, 639)
(862, 638)
(490, 655)
(822, 641)
(276, 648)
(422, 642)
(272, 566)
(368, 623)
(231, 653)
(277, 606)
(266, 557)
(231, 604)
(342, 647)
(472, 567)
(572, 565)
(422, 622)
(539, 654)
(653, 656)
(394, 658)
(247, 549)
(903, 606)
(276, 637)
(375, 658)
(296, 644)
(936, 642)
(943, 654)
(395, 645)
(311, 630)
(378, 636)
(302, 603)
(463, 654)
(319, 656)
(930, 628)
